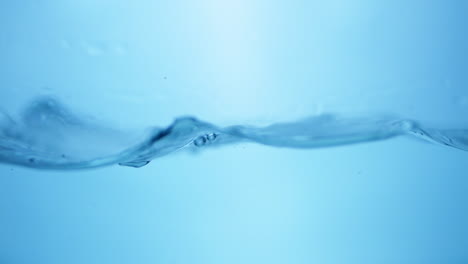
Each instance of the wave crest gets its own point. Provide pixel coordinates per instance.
(49, 136)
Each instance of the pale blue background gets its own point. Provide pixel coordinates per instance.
(141, 63)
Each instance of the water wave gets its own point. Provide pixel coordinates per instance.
(49, 136)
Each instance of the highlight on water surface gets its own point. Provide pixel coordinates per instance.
(49, 136)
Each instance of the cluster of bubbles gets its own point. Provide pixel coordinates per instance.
(205, 139)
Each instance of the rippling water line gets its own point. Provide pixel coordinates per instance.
(49, 136)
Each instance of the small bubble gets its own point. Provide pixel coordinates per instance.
(417, 132)
(211, 136)
(200, 141)
(135, 164)
(205, 139)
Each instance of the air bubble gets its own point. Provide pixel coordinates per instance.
(205, 139)
(211, 136)
(200, 141)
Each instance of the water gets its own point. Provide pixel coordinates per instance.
(49, 136)
(245, 131)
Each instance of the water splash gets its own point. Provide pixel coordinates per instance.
(49, 136)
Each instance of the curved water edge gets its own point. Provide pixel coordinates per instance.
(49, 136)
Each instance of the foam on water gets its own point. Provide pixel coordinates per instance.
(49, 136)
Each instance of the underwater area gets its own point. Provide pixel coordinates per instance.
(248, 131)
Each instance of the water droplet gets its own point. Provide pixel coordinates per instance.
(135, 164)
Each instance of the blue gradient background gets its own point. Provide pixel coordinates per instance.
(141, 63)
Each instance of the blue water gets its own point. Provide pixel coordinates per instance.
(50, 136)
(245, 131)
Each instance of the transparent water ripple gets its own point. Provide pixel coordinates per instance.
(49, 136)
